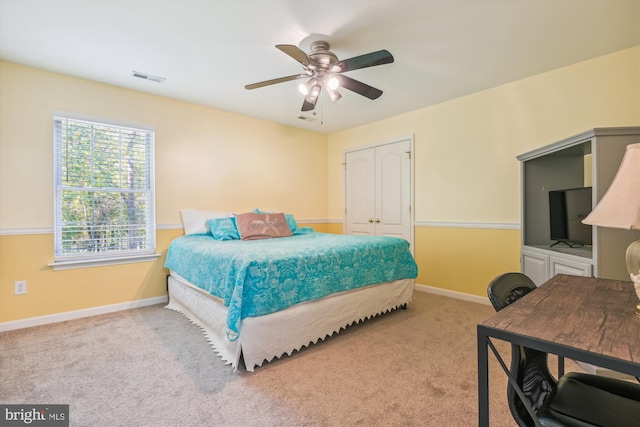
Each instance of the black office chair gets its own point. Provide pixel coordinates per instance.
(576, 399)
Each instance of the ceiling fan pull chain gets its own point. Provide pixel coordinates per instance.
(321, 109)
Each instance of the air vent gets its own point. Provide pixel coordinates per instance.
(146, 76)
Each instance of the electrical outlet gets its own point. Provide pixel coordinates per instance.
(20, 287)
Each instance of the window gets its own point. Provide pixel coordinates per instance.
(104, 193)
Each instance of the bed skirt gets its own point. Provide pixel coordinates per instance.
(267, 337)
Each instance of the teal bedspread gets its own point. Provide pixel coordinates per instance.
(259, 277)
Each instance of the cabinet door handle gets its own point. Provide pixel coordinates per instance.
(370, 219)
(378, 220)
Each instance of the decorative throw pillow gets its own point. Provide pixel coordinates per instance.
(253, 226)
(224, 229)
(291, 221)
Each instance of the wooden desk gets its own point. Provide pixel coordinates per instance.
(582, 318)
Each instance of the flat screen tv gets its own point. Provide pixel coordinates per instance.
(567, 209)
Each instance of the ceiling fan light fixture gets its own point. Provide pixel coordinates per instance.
(324, 71)
(333, 83)
(334, 95)
(307, 87)
(314, 92)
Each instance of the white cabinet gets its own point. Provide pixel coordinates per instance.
(378, 190)
(536, 266)
(558, 265)
(590, 159)
(541, 264)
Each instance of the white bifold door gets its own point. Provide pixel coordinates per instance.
(378, 191)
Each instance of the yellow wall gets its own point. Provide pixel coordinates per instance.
(50, 292)
(465, 259)
(466, 170)
(205, 159)
(466, 173)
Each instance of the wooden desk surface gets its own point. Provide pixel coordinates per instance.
(584, 314)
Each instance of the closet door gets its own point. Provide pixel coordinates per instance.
(360, 191)
(393, 190)
(378, 191)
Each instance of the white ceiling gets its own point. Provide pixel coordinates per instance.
(209, 50)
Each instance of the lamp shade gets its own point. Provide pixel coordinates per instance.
(620, 206)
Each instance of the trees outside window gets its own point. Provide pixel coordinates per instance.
(104, 192)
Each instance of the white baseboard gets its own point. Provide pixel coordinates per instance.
(453, 294)
(78, 314)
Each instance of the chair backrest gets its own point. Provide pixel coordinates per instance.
(529, 367)
(508, 288)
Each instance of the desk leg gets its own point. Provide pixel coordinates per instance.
(483, 380)
(560, 366)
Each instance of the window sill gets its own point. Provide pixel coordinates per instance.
(100, 262)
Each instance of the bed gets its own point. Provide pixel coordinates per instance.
(260, 298)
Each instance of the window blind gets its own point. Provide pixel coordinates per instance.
(104, 190)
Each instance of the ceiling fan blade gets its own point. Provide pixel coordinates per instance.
(363, 61)
(296, 53)
(274, 81)
(358, 87)
(308, 106)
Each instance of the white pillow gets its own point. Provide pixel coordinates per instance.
(195, 221)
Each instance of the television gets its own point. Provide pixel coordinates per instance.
(567, 209)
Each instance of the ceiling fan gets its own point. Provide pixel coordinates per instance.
(324, 70)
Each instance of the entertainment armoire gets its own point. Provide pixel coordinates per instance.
(588, 159)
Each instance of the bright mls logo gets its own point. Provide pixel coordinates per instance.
(34, 415)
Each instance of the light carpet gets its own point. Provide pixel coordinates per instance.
(152, 367)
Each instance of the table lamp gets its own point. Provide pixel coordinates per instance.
(620, 208)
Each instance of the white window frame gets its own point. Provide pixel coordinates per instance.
(65, 258)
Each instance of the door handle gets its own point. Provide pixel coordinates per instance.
(370, 219)
(378, 220)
